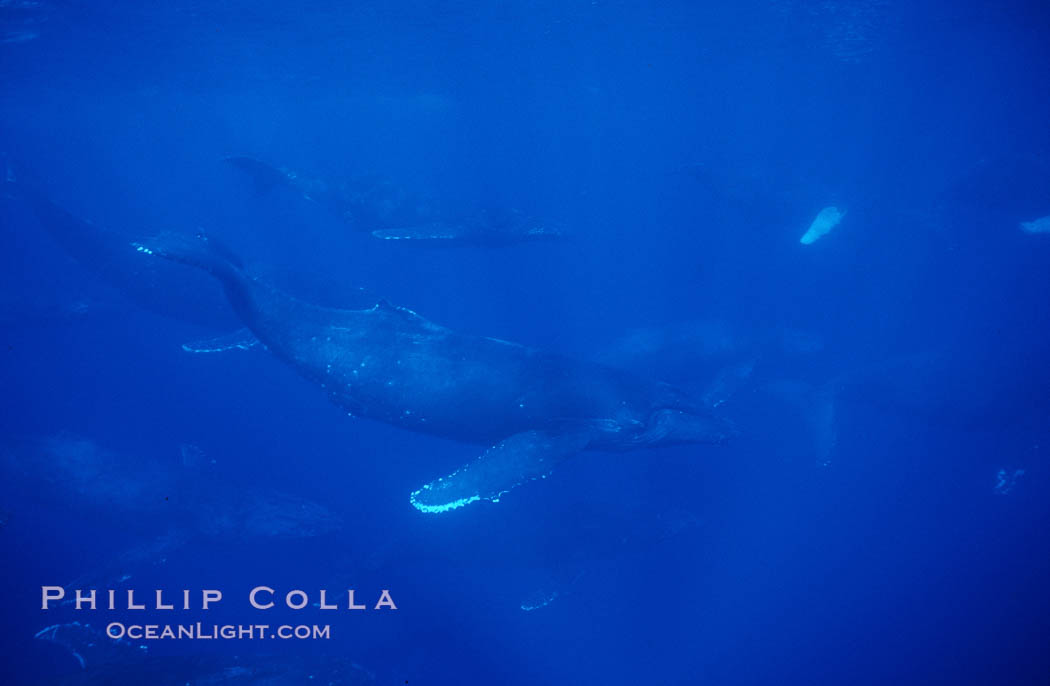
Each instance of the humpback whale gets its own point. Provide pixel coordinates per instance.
(79, 475)
(103, 252)
(388, 212)
(487, 227)
(531, 408)
(156, 286)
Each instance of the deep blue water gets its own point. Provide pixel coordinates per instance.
(882, 516)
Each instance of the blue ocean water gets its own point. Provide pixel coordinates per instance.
(880, 515)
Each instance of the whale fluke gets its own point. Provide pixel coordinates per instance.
(522, 457)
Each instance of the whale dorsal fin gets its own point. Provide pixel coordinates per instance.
(523, 457)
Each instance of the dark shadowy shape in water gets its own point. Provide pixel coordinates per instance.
(722, 364)
(996, 385)
(22, 20)
(710, 355)
(108, 255)
(485, 228)
(261, 514)
(154, 285)
(77, 473)
(533, 408)
(184, 499)
(365, 203)
(127, 565)
(388, 212)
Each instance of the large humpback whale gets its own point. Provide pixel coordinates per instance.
(533, 409)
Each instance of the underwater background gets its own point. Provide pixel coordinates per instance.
(882, 516)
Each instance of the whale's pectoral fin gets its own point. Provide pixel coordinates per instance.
(436, 231)
(515, 460)
(241, 339)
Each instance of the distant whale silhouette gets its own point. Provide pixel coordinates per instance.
(388, 212)
(533, 409)
(156, 287)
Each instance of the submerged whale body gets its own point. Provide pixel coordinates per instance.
(364, 203)
(388, 212)
(532, 408)
(103, 252)
(488, 227)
